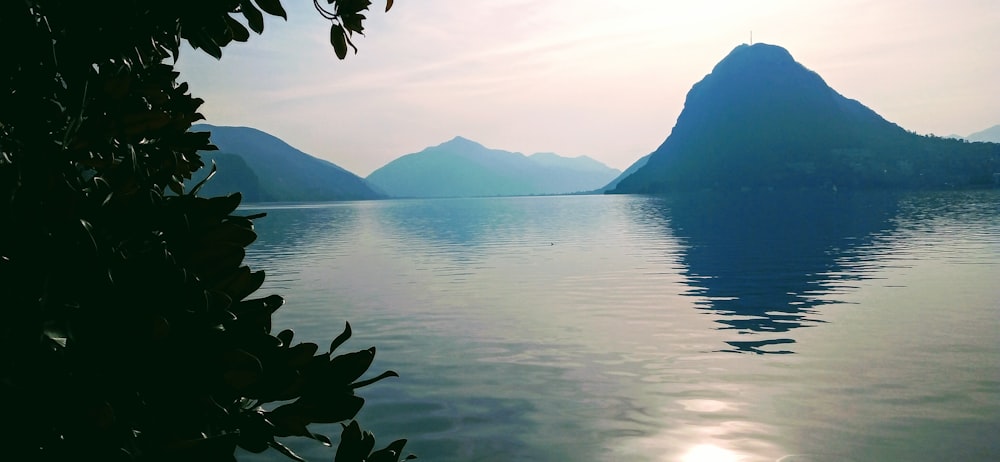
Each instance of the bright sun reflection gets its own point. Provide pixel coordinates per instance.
(709, 453)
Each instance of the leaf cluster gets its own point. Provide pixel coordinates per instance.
(346, 19)
(131, 326)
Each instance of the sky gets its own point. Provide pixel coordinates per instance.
(583, 77)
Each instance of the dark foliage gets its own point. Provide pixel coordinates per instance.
(234, 175)
(130, 326)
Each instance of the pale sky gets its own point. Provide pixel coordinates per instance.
(584, 77)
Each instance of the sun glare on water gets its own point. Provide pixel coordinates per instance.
(709, 453)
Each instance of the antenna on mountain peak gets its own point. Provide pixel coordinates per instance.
(751, 37)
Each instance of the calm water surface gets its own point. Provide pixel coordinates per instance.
(760, 327)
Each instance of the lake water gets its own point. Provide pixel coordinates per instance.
(754, 327)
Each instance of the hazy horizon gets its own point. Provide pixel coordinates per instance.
(579, 78)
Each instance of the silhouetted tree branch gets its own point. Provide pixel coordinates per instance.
(131, 329)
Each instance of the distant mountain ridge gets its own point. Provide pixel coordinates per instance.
(464, 168)
(991, 135)
(628, 172)
(266, 169)
(762, 120)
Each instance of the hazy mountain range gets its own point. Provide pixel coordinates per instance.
(991, 135)
(759, 120)
(762, 120)
(464, 168)
(266, 169)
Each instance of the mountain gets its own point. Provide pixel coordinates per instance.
(628, 172)
(762, 120)
(577, 164)
(266, 169)
(464, 168)
(991, 134)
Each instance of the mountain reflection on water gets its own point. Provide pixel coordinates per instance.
(601, 327)
(761, 262)
(764, 261)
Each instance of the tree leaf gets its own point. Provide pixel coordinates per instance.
(365, 383)
(390, 453)
(299, 355)
(334, 409)
(197, 187)
(207, 44)
(240, 33)
(355, 444)
(240, 369)
(354, 22)
(285, 450)
(254, 18)
(273, 8)
(346, 334)
(338, 39)
(345, 369)
(286, 337)
(322, 439)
